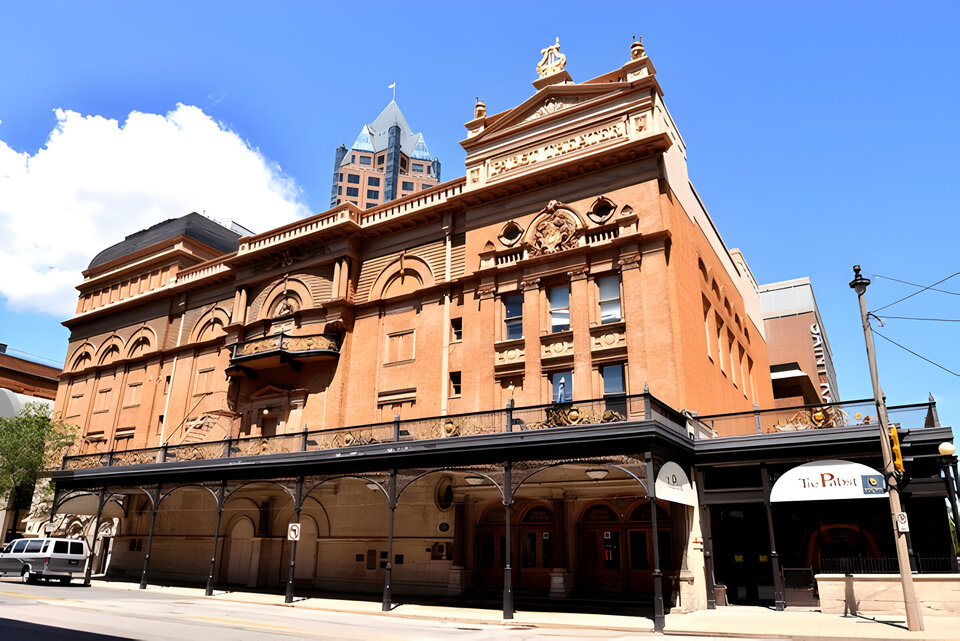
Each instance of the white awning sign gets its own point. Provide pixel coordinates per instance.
(828, 480)
(674, 485)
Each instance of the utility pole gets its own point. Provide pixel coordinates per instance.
(910, 603)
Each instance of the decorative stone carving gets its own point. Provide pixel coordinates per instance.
(308, 343)
(556, 345)
(608, 336)
(552, 105)
(556, 232)
(510, 352)
(552, 61)
(287, 306)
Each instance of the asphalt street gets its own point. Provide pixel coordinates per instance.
(40, 612)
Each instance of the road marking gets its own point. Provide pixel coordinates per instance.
(268, 626)
(21, 595)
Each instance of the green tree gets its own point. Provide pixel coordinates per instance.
(29, 443)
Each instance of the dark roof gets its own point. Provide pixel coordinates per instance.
(193, 225)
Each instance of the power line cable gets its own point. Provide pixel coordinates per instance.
(941, 320)
(920, 291)
(914, 353)
(907, 282)
(43, 358)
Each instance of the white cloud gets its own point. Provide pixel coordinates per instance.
(97, 181)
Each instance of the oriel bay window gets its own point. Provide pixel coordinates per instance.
(609, 296)
(559, 308)
(513, 316)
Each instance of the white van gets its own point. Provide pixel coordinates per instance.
(34, 559)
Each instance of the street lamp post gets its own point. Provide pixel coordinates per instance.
(910, 603)
(947, 462)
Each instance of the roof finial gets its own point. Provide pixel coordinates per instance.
(636, 49)
(552, 61)
(479, 109)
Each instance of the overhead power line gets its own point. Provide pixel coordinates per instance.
(890, 340)
(907, 282)
(940, 320)
(43, 358)
(919, 291)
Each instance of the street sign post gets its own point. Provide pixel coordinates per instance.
(293, 532)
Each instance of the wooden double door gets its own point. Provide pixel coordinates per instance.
(535, 549)
(616, 555)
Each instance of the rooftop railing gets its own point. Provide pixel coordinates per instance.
(821, 416)
(612, 409)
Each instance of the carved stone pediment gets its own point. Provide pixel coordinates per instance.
(551, 105)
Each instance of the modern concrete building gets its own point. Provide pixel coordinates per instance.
(539, 377)
(801, 361)
(387, 161)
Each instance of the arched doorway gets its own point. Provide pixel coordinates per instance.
(537, 541)
(491, 548)
(639, 529)
(240, 552)
(616, 553)
(534, 546)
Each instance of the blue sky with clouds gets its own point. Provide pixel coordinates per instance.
(819, 134)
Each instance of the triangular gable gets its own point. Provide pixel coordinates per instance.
(270, 391)
(547, 102)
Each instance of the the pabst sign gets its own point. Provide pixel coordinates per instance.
(826, 480)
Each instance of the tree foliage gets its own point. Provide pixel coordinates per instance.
(30, 442)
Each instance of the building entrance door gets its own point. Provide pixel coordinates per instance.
(601, 550)
(536, 548)
(640, 547)
(491, 547)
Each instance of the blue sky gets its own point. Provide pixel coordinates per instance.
(819, 134)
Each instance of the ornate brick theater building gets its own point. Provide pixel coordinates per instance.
(539, 378)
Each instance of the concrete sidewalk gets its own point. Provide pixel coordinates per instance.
(728, 621)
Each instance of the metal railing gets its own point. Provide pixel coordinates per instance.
(286, 343)
(613, 409)
(881, 565)
(821, 416)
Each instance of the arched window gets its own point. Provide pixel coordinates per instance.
(600, 513)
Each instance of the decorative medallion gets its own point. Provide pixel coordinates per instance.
(552, 61)
(552, 105)
(557, 231)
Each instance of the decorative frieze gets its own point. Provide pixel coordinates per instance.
(509, 354)
(557, 345)
(608, 337)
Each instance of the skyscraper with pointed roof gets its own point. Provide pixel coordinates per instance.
(386, 161)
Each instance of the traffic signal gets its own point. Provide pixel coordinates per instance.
(895, 446)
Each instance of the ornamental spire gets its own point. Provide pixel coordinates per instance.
(552, 61)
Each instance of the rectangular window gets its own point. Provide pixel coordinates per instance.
(403, 163)
(340, 177)
(373, 194)
(400, 346)
(204, 384)
(132, 397)
(353, 179)
(417, 167)
(559, 308)
(733, 358)
(340, 190)
(513, 315)
(561, 386)
(456, 329)
(103, 400)
(425, 186)
(454, 384)
(366, 160)
(609, 287)
(373, 181)
(429, 170)
(718, 327)
(353, 191)
(406, 186)
(706, 327)
(613, 379)
(380, 159)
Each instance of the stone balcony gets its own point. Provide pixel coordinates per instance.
(264, 352)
